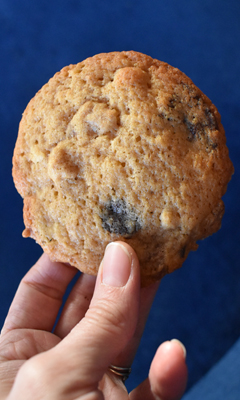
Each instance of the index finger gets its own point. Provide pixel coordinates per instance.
(39, 296)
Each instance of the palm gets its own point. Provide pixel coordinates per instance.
(20, 345)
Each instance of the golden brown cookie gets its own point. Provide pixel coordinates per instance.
(121, 147)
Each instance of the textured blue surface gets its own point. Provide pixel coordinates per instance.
(200, 303)
(222, 381)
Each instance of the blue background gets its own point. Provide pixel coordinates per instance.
(200, 303)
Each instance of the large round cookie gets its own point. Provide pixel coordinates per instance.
(121, 147)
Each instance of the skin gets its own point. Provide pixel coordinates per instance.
(100, 324)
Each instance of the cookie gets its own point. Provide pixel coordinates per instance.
(121, 147)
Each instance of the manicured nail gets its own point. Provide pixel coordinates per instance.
(116, 265)
(182, 346)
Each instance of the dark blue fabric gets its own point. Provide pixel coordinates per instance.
(200, 303)
(222, 381)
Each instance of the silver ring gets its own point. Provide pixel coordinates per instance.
(121, 372)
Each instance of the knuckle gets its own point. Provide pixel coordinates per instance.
(35, 371)
(110, 318)
(33, 368)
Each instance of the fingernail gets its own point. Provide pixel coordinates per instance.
(116, 265)
(182, 345)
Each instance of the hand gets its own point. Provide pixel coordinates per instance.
(101, 324)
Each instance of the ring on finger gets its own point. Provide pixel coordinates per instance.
(121, 372)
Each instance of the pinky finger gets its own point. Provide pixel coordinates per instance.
(167, 376)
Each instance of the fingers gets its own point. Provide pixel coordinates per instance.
(147, 295)
(168, 372)
(167, 376)
(77, 364)
(39, 296)
(111, 320)
(76, 305)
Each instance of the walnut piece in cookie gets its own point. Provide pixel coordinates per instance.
(121, 147)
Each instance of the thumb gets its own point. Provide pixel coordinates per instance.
(77, 364)
(112, 317)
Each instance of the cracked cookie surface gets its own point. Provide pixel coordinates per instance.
(121, 147)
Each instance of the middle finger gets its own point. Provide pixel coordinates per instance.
(76, 305)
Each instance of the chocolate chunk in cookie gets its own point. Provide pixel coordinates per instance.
(117, 217)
